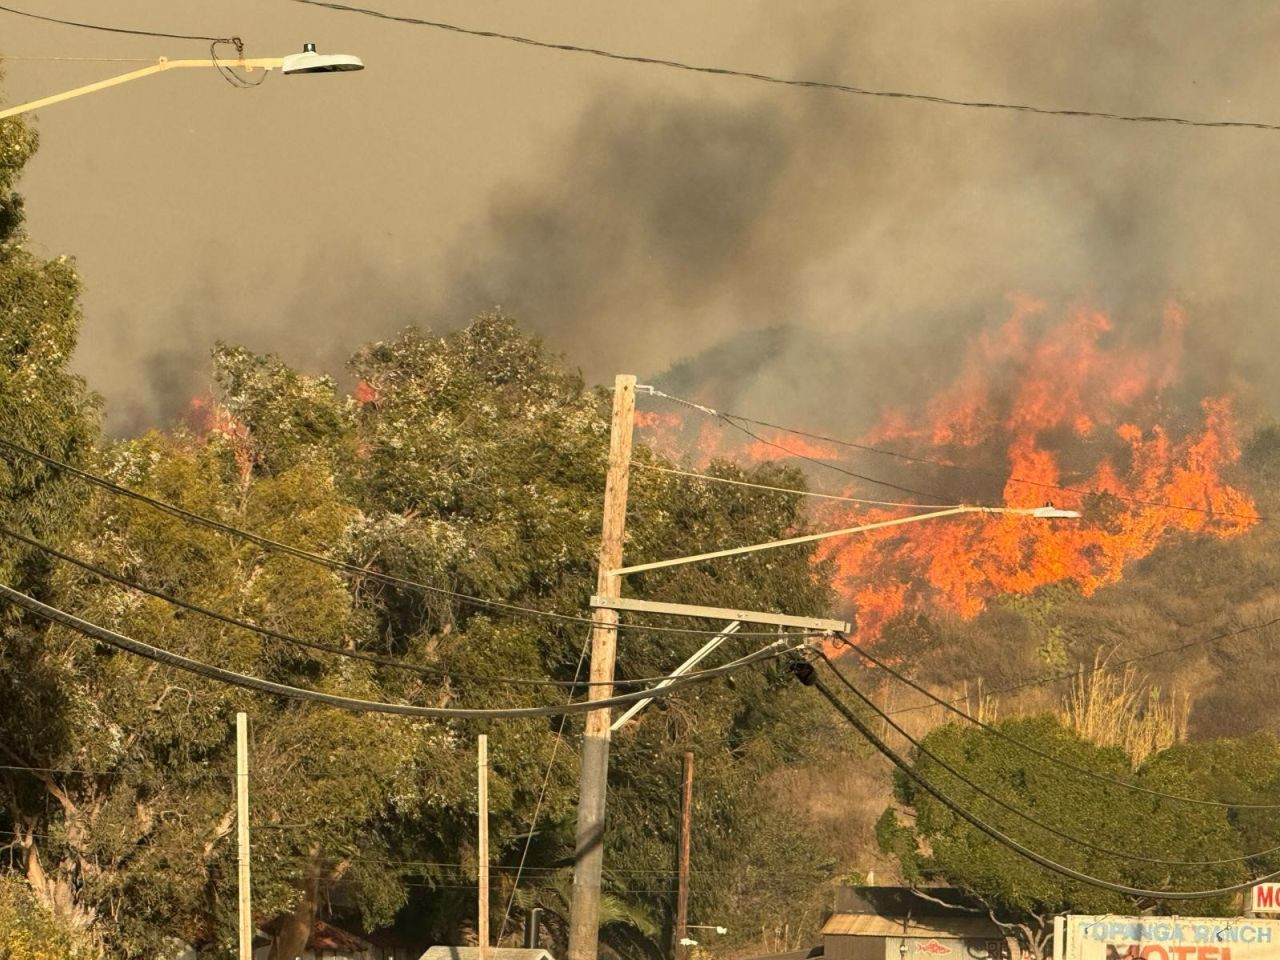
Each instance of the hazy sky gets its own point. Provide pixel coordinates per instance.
(638, 216)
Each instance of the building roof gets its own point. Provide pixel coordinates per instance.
(872, 925)
(495, 953)
(805, 953)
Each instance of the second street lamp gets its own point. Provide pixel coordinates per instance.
(308, 61)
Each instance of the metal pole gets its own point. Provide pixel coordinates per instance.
(588, 855)
(482, 778)
(242, 835)
(682, 875)
(268, 63)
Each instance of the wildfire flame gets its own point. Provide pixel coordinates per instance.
(1066, 412)
(206, 417)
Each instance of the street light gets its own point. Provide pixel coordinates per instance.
(1048, 512)
(308, 61)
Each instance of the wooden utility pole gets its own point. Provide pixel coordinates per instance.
(588, 854)
(682, 875)
(482, 781)
(242, 834)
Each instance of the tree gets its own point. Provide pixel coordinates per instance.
(470, 461)
(45, 408)
(936, 844)
(28, 930)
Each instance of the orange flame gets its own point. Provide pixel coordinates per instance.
(207, 417)
(1063, 393)
(1070, 412)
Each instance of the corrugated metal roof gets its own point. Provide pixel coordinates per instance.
(871, 925)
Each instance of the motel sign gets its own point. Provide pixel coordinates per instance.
(1266, 898)
(1169, 938)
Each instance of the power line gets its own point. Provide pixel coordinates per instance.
(735, 418)
(791, 81)
(1016, 811)
(390, 662)
(542, 793)
(347, 569)
(810, 678)
(1022, 744)
(799, 455)
(828, 464)
(792, 490)
(1059, 677)
(18, 768)
(257, 684)
(110, 29)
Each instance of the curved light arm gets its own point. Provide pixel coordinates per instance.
(263, 63)
(1040, 513)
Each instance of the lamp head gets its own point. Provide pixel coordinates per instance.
(1050, 512)
(308, 61)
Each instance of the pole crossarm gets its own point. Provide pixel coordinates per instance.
(815, 624)
(1043, 513)
(161, 65)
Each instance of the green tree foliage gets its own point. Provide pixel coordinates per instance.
(45, 407)
(42, 405)
(470, 461)
(933, 844)
(29, 931)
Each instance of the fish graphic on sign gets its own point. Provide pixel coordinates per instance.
(933, 947)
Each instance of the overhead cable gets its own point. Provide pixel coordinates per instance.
(712, 478)
(790, 81)
(1044, 754)
(735, 419)
(390, 662)
(1111, 665)
(798, 454)
(542, 795)
(347, 569)
(110, 29)
(259, 685)
(998, 836)
(1017, 811)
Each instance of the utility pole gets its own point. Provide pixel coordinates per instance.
(588, 854)
(682, 875)
(482, 781)
(242, 834)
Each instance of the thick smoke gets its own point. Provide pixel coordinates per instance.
(812, 256)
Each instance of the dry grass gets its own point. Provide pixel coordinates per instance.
(1121, 710)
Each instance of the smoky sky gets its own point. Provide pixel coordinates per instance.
(822, 257)
(798, 254)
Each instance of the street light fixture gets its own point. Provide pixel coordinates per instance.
(308, 61)
(1048, 512)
